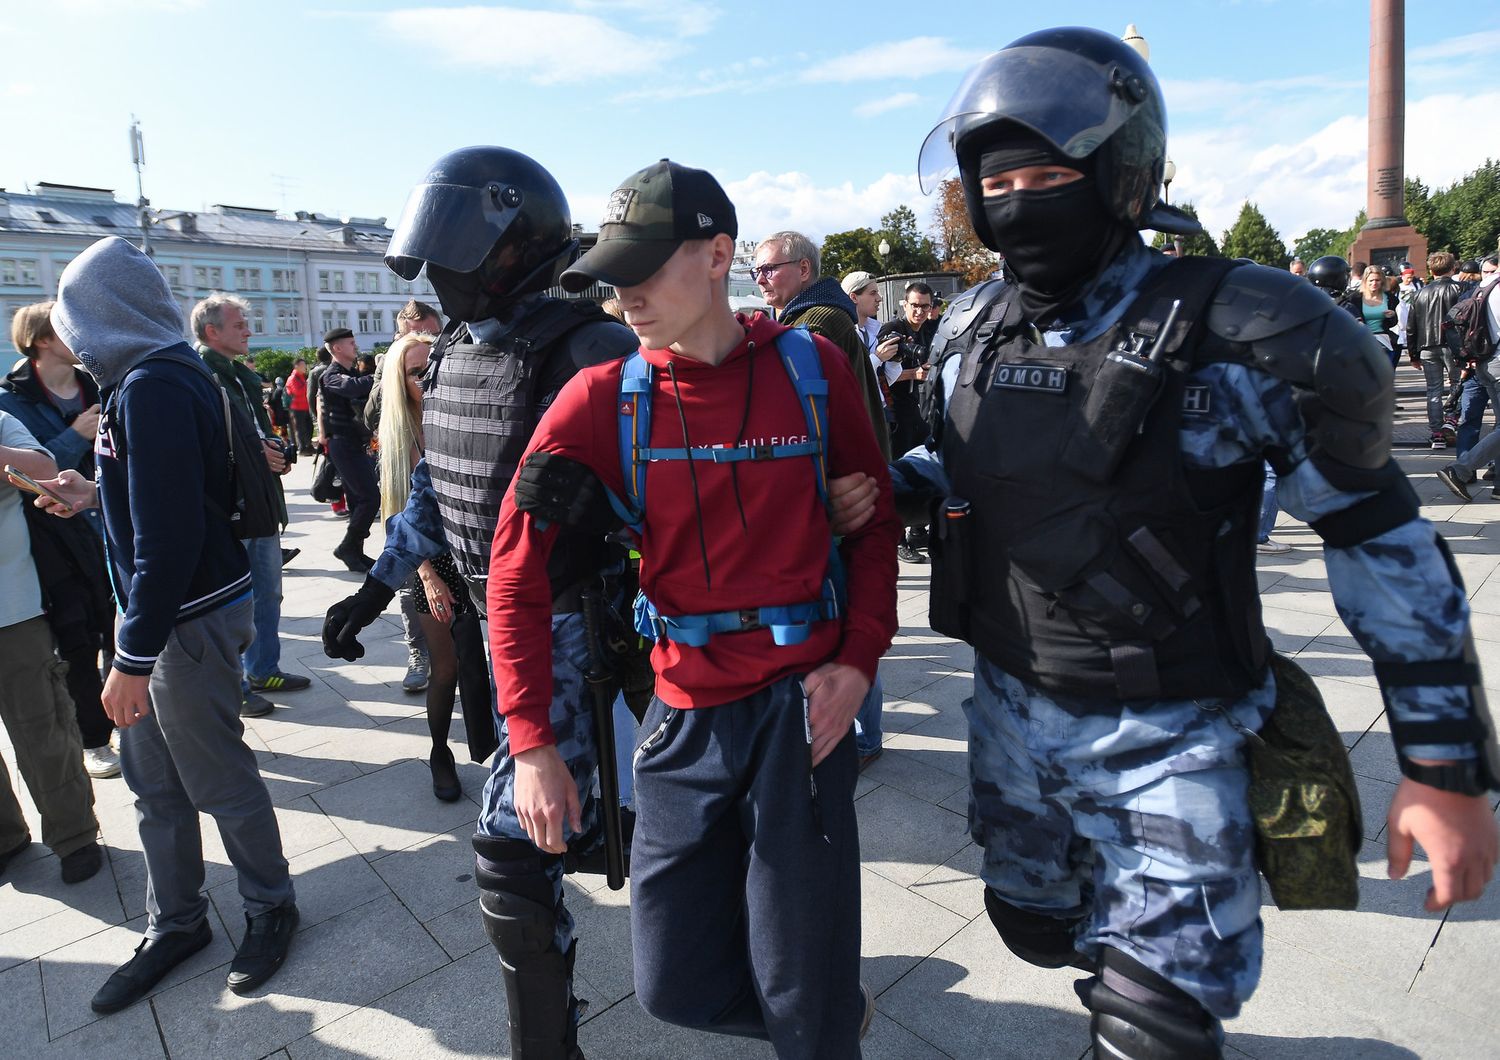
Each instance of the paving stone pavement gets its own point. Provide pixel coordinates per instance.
(391, 962)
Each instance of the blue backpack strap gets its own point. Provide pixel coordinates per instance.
(634, 409)
(800, 358)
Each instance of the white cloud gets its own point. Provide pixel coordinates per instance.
(1319, 180)
(17, 90)
(685, 18)
(547, 47)
(873, 108)
(897, 60)
(1483, 44)
(770, 202)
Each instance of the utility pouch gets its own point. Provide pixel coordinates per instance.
(1308, 827)
(952, 568)
(1124, 390)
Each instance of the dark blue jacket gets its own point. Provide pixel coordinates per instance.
(163, 455)
(23, 396)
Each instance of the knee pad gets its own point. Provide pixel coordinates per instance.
(1045, 941)
(1139, 1015)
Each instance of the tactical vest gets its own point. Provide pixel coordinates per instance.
(481, 407)
(1114, 579)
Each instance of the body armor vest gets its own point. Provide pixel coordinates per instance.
(483, 402)
(1123, 578)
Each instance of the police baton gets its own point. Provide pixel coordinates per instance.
(601, 681)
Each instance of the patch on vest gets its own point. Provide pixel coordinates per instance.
(1046, 378)
(1195, 399)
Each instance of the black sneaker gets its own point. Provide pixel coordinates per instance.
(279, 682)
(81, 864)
(289, 554)
(1439, 440)
(267, 939)
(906, 554)
(1450, 479)
(254, 706)
(353, 559)
(153, 959)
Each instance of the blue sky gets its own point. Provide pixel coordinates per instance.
(811, 114)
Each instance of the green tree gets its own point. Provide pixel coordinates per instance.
(1251, 236)
(1464, 217)
(1202, 244)
(1317, 242)
(958, 247)
(846, 252)
(910, 251)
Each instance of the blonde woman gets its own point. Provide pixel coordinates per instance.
(444, 597)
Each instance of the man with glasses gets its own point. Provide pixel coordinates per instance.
(786, 271)
(914, 330)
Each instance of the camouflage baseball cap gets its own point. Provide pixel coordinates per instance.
(646, 219)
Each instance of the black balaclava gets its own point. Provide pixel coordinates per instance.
(1057, 241)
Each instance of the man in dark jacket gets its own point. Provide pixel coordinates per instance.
(342, 393)
(786, 269)
(221, 324)
(1424, 331)
(183, 584)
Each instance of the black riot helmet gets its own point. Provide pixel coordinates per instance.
(489, 224)
(1331, 273)
(1086, 93)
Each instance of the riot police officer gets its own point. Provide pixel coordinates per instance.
(494, 232)
(1103, 420)
(1330, 273)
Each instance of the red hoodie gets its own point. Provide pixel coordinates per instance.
(769, 546)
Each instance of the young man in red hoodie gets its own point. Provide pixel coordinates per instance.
(745, 860)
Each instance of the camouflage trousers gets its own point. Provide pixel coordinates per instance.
(573, 728)
(1133, 818)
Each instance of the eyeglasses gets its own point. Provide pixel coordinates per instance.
(760, 272)
(925, 307)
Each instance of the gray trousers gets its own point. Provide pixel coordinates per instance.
(411, 623)
(189, 755)
(1435, 362)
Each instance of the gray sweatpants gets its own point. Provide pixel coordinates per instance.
(189, 755)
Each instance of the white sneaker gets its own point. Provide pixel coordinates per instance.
(1272, 547)
(101, 762)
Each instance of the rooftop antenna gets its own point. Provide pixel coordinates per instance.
(143, 204)
(282, 183)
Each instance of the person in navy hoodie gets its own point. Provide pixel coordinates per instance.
(183, 586)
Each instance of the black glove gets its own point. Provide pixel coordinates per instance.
(554, 489)
(347, 617)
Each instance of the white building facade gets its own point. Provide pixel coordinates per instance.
(302, 275)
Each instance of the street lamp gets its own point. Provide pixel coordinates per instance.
(1168, 174)
(883, 250)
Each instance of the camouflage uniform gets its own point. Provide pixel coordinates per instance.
(1134, 815)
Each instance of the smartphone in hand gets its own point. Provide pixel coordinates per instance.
(31, 485)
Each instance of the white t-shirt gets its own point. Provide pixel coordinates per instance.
(892, 368)
(20, 593)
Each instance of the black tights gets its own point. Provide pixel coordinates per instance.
(442, 679)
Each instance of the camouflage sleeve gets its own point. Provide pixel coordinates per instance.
(1394, 592)
(413, 534)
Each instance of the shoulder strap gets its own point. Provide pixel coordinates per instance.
(553, 319)
(1191, 281)
(634, 409)
(799, 356)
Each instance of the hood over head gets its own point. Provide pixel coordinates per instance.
(114, 309)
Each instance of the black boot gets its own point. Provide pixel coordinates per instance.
(444, 775)
(351, 554)
(1139, 1015)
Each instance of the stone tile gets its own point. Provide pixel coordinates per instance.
(459, 931)
(371, 749)
(1468, 942)
(958, 802)
(1393, 929)
(888, 1040)
(127, 1035)
(948, 752)
(25, 1012)
(334, 968)
(40, 913)
(1337, 656)
(1353, 707)
(1374, 801)
(329, 881)
(973, 998)
(1313, 1008)
(900, 929)
(291, 775)
(73, 974)
(902, 771)
(1294, 623)
(604, 946)
(902, 837)
(902, 676)
(304, 827)
(955, 884)
(625, 1032)
(391, 809)
(434, 876)
(1375, 754)
(456, 1011)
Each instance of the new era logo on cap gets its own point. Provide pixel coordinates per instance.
(705, 221)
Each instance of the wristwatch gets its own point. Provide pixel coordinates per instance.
(1461, 777)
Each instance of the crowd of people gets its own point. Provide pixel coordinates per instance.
(577, 505)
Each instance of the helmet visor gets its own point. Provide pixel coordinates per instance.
(1055, 93)
(451, 225)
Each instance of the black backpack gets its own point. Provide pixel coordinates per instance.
(1467, 320)
(256, 509)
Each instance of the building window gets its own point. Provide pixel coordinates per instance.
(258, 317)
(341, 317)
(337, 276)
(247, 279)
(330, 281)
(287, 318)
(209, 276)
(285, 280)
(173, 275)
(367, 283)
(327, 321)
(377, 319)
(18, 272)
(399, 286)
